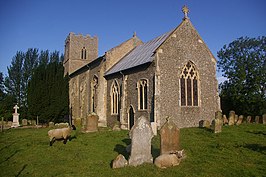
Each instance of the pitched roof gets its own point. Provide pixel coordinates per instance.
(140, 55)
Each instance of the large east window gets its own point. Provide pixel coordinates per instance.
(189, 85)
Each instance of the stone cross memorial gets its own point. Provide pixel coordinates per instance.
(141, 135)
(15, 122)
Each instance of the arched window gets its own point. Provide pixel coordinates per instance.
(83, 53)
(189, 85)
(114, 97)
(143, 94)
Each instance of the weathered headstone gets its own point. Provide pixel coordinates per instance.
(225, 120)
(240, 120)
(119, 162)
(9, 123)
(92, 123)
(217, 125)
(169, 137)
(231, 118)
(51, 125)
(264, 118)
(249, 118)
(141, 135)
(77, 121)
(204, 124)
(236, 118)
(33, 122)
(15, 122)
(257, 119)
(219, 115)
(24, 122)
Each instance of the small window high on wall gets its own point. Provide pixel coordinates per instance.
(189, 85)
(83, 53)
(143, 94)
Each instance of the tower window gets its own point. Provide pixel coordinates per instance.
(189, 85)
(83, 53)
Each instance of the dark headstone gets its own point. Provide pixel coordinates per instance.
(169, 137)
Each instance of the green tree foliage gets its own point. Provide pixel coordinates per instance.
(243, 62)
(37, 84)
(48, 89)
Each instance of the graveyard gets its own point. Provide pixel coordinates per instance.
(236, 151)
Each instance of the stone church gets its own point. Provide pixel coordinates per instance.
(173, 75)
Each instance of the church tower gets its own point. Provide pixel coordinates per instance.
(79, 50)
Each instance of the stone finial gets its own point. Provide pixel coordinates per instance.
(134, 34)
(185, 10)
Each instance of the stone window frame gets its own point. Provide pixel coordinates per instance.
(189, 102)
(84, 53)
(93, 89)
(114, 94)
(143, 104)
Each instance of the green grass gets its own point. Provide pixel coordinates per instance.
(237, 151)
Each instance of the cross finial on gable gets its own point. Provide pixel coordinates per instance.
(185, 11)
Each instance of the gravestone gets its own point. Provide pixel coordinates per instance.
(217, 125)
(51, 125)
(257, 119)
(240, 120)
(33, 122)
(231, 118)
(141, 135)
(24, 122)
(15, 122)
(264, 118)
(225, 120)
(9, 123)
(249, 119)
(91, 123)
(204, 124)
(169, 137)
(219, 115)
(29, 122)
(236, 118)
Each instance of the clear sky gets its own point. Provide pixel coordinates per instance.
(45, 24)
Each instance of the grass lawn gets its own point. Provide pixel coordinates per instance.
(237, 151)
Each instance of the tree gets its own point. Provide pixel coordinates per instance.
(243, 63)
(13, 82)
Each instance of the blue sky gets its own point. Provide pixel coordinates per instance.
(45, 24)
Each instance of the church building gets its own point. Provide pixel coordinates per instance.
(172, 75)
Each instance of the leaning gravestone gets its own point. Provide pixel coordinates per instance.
(91, 123)
(231, 118)
(15, 122)
(24, 122)
(240, 120)
(169, 137)
(249, 119)
(264, 118)
(225, 120)
(141, 135)
(236, 118)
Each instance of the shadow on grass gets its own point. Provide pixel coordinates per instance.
(7, 146)
(121, 149)
(256, 147)
(10, 156)
(257, 132)
(23, 168)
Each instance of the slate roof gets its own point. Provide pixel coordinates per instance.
(138, 56)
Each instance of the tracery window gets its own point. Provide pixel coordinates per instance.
(143, 94)
(114, 97)
(83, 53)
(189, 85)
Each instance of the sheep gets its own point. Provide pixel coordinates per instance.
(169, 160)
(60, 133)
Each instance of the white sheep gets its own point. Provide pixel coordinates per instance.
(60, 133)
